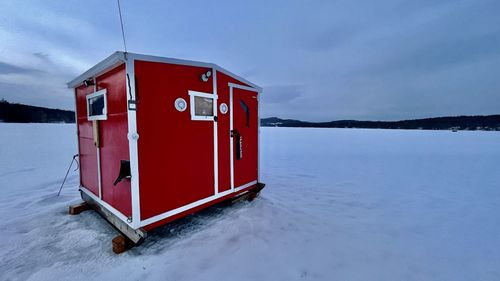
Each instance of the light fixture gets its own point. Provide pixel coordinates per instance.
(88, 82)
(206, 75)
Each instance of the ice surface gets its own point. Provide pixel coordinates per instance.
(340, 204)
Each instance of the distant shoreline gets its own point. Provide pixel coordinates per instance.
(453, 123)
(22, 113)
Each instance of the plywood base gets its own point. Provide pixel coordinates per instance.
(78, 208)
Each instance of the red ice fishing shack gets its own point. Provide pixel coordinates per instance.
(160, 138)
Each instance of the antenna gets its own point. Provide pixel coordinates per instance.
(121, 23)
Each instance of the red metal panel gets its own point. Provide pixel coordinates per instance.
(114, 141)
(87, 150)
(245, 168)
(176, 154)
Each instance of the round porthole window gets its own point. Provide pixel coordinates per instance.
(180, 104)
(223, 108)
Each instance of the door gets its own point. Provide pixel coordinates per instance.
(244, 136)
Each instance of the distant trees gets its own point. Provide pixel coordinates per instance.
(21, 113)
(489, 122)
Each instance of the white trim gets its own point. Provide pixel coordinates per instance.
(104, 115)
(110, 62)
(110, 208)
(119, 57)
(190, 63)
(231, 128)
(133, 136)
(192, 205)
(258, 136)
(216, 142)
(245, 185)
(202, 94)
(231, 145)
(233, 85)
(192, 95)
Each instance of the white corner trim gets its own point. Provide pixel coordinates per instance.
(216, 142)
(110, 208)
(231, 145)
(133, 137)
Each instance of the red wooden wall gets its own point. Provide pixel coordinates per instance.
(113, 137)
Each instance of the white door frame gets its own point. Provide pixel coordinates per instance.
(231, 128)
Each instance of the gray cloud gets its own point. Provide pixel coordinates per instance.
(321, 60)
(6, 68)
(281, 94)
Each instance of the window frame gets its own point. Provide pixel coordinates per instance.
(104, 115)
(192, 104)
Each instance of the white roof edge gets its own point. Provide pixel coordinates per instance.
(113, 60)
(119, 57)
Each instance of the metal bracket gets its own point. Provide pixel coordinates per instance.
(132, 105)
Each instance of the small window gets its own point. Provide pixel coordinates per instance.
(202, 105)
(96, 106)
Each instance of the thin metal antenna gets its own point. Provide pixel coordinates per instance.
(121, 23)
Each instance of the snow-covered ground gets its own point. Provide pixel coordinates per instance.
(339, 204)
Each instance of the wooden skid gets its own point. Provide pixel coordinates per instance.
(135, 235)
(78, 208)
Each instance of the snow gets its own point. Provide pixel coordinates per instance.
(340, 204)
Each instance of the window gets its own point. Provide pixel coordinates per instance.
(96, 106)
(247, 112)
(202, 105)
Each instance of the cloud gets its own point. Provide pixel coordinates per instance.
(281, 94)
(6, 68)
(323, 60)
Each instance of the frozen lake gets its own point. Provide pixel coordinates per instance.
(340, 204)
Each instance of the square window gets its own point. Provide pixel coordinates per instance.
(203, 106)
(96, 106)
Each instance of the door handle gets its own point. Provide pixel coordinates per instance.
(237, 139)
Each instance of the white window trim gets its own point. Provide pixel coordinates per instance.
(104, 116)
(193, 94)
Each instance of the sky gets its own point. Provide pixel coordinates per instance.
(316, 60)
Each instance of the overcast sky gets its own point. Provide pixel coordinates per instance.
(317, 60)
